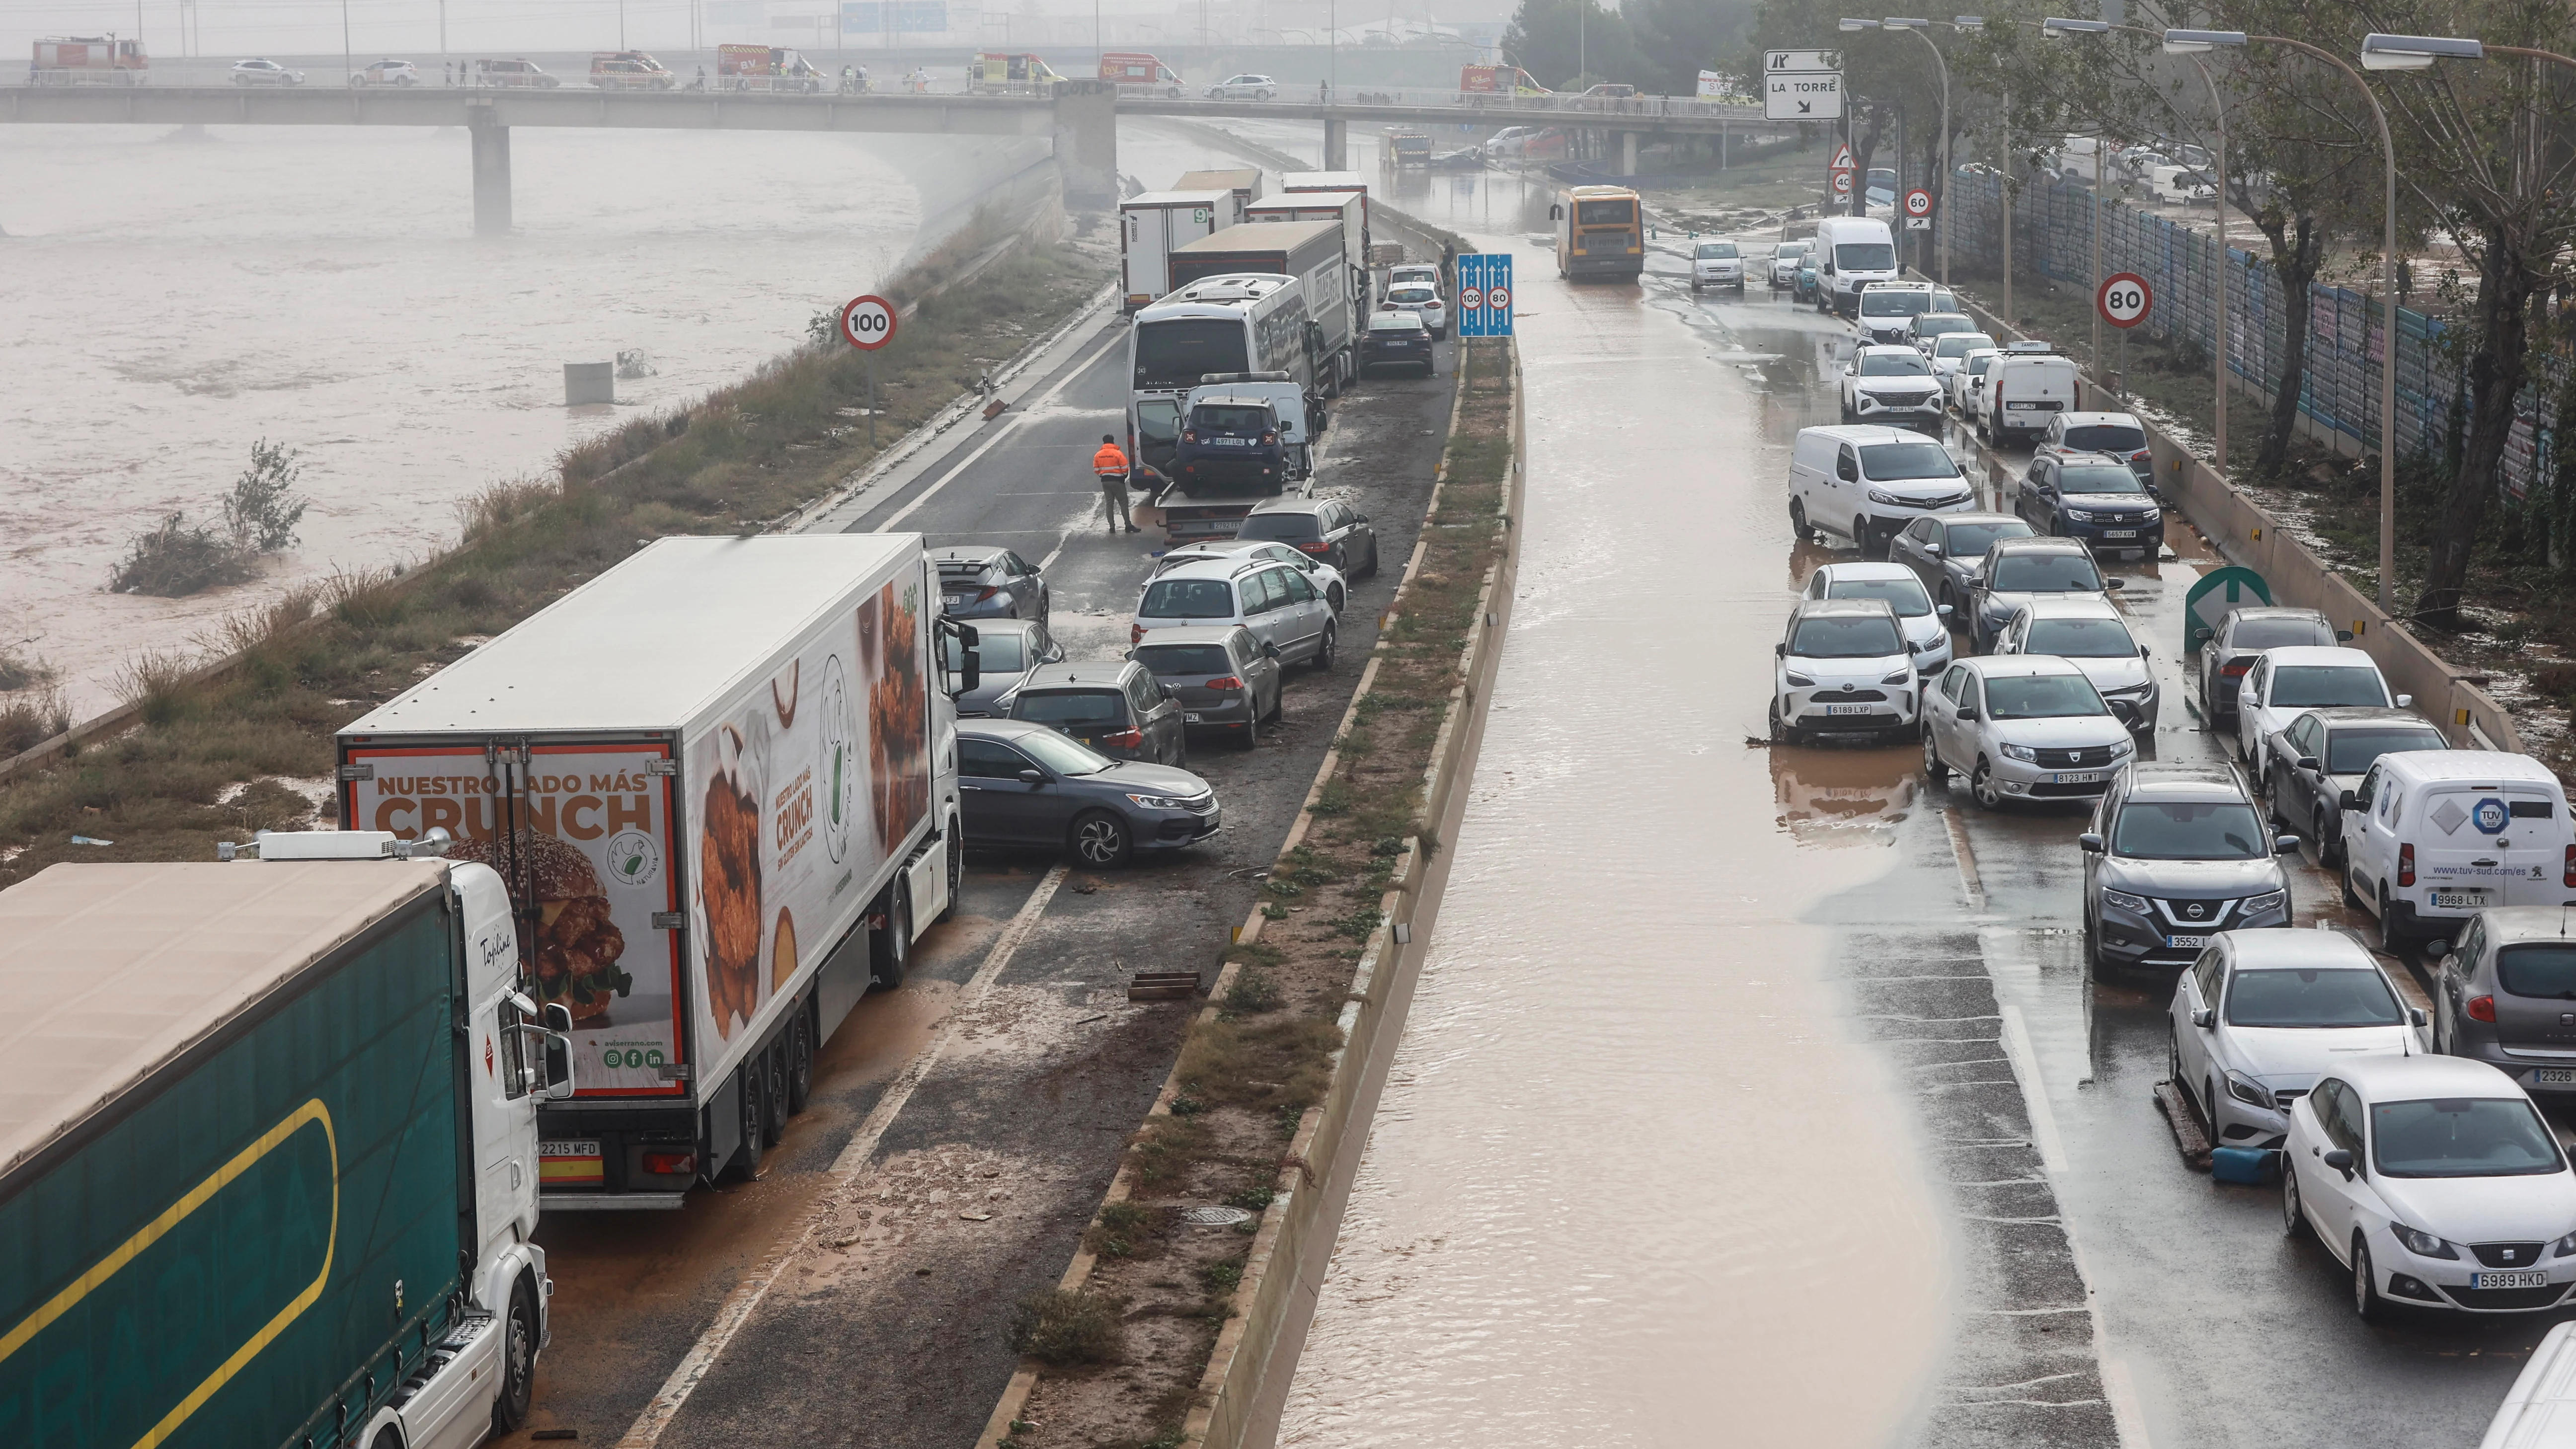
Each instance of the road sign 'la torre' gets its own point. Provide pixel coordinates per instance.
(1802, 85)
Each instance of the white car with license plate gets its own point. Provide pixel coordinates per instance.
(2432, 837)
(1966, 380)
(2260, 1015)
(1841, 667)
(1926, 624)
(1422, 300)
(1892, 385)
(2287, 682)
(2022, 727)
(2436, 1184)
(1716, 264)
(1784, 263)
(1947, 350)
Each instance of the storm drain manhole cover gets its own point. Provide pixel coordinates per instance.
(1214, 1217)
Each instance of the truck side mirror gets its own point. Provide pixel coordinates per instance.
(1556, 213)
(559, 1083)
(558, 1017)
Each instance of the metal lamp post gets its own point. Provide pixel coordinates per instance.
(1916, 27)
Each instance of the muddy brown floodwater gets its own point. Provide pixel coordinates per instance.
(1636, 1178)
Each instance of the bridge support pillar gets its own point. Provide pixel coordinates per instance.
(491, 173)
(1337, 145)
(1086, 142)
(1627, 153)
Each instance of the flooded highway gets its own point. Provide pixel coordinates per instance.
(1760, 1093)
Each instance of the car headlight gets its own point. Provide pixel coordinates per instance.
(2422, 1244)
(2245, 1089)
(2150, 516)
(2124, 901)
(1156, 802)
(2021, 752)
(2268, 901)
(2120, 748)
(1800, 681)
(2564, 1247)
(1899, 676)
(2079, 515)
(1889, 499)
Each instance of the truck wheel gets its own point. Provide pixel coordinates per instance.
(800, 1061)
(518, 1361)
(956, 868)
(773, 1091)
(890, 950)
(755, 1120)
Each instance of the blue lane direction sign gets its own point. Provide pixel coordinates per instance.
(1487, 277)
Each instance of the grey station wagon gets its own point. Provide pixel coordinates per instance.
(1116, 707)
(1224, 677)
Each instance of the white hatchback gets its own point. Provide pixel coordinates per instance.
(1422, 300)
(1842, 667)
(1926, 624)
(2288, 682)
(1243, 88)
(2263, 1014)
(2435, 1182)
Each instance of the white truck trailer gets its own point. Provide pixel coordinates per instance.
(1153, 224)
(719, 781)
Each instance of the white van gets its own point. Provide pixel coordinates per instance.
(2432, 837)
(2024, 388)
(2539, 1411)
(1868, 483)
(1851, 252)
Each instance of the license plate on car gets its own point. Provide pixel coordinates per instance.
(568, 1164)
(2119, 533)
(2458, 900)
(1188, 718)
(2076, 777)
(1851, 709)
(2555, 1076)
(2508, 1280)
(2187, 943)
(1232, 442)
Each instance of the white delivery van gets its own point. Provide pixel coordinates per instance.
(2432, 837)
(1868, 483)
(1851, 253)
(2025, 387)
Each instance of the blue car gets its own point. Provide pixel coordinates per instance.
(1231, 439)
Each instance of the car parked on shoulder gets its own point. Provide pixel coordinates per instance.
(1115, 706)
(1842, 666)
(1868, 483)
(2503, 993)
(2435, 1183)
(1945, 352)
(386, 73)
(1716, 264)
(265, 73)
(2433, 837)
(979, 581)
(1324, 528)
(2117, 435)
(2260, 1015)
(2242, 635)
(1246, 87)
(1023, 784)
(1805, 286)
(1408, 273)
(1948, 553)
(2324, 752)
(1930, 327)
(1325, 576)
(1224, 678)
(2176, 853)
(1892, 386)
(2540, 1408)
(1397, 339)
(1005, 651)
(1423, 301)
(2285, 683)
(1278, 602)
(2094, 636)
(1886, 310)
(1966, 382)
(2092, 497)
(2027, 727)
(2018, 570)
(1784, 262)
(1926, 625)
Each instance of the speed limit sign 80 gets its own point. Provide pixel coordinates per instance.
(2125, 299)
(868, 322)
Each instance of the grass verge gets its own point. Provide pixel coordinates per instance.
(1262, 1058)
(251, 748)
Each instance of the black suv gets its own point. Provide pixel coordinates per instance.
(1231, 440)
(2245, 633)
(2094, 497)
(1396, 339)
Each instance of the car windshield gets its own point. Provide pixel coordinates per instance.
(1071, 706)
(2354, 751)
(1888, 302)
(1905, 595)
(1866, 257)
(2099, 478)
(2461, 1137)
(1977, 366)
(2546, 970)
(1062, 753)
(2043, 696)
(1793, 250)
(1971, 540)
(2305, 685)
(1000, 651)
(1723, 250)
(2279, 632)
(1187, 599)
(2311, 998)
(2081, 639)
(2046, 573)
(1931, 326)
(1280, 528)
(1899, 462)
(2104, 438)
(1846, 637)
(1174, 660)
(1231, 419)
(1412, 296)
(1894, 364)
(1605, 213)
(1179, 351)
(1960, 344)
(2187, 830)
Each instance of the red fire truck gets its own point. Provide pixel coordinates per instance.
(765, 68)
(88, 60)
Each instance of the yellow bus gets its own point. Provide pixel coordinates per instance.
(1600, 232)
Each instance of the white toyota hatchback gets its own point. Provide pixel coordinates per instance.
(1842, 666)
(2435, 1182)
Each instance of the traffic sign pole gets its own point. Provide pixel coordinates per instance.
(868, 323)
(2123, 300)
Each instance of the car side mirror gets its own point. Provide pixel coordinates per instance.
(2405, 700)
(2340, 1159)
(558, 1017)
(1556, 213)
(2307, 763)
(2115, 583)
(2144, 651)
(2205, 1018)
(2197, 638)
(2285, 845)
(1269, 650)
(2091, 842)
(1968, 714)
(2415, 1017)
(558, 1060)
(2343, 636)
(1931, 550)
(1032, 777)
(2436, 949)
(2347, 800)
(1943, 609)
(1780, 650)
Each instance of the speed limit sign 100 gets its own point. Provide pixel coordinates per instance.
(868, 322)
(2124, 299)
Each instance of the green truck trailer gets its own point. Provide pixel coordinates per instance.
(268, 1153)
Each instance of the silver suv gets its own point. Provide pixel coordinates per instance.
(1843, 665)
(2177, 853)
(2507, 996)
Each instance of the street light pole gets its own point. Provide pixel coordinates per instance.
(1941, 233)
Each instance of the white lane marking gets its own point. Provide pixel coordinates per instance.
(1006, 430)
(746, 1296)
(2034, 1092)
(1057, 552)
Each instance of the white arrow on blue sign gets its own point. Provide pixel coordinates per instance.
(1489, 275)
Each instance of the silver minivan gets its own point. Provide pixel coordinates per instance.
(1278, 602)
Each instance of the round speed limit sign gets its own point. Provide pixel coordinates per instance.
(2125, 299)
(1470, 298)
(868, 322)
(1498, 298)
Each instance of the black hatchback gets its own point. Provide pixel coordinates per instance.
(1396, 339)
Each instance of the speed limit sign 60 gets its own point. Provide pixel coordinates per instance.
(868, 322)
(2125, 299)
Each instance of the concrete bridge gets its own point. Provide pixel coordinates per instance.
(1080, 117)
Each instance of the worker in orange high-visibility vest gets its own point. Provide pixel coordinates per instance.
(1110, 466)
